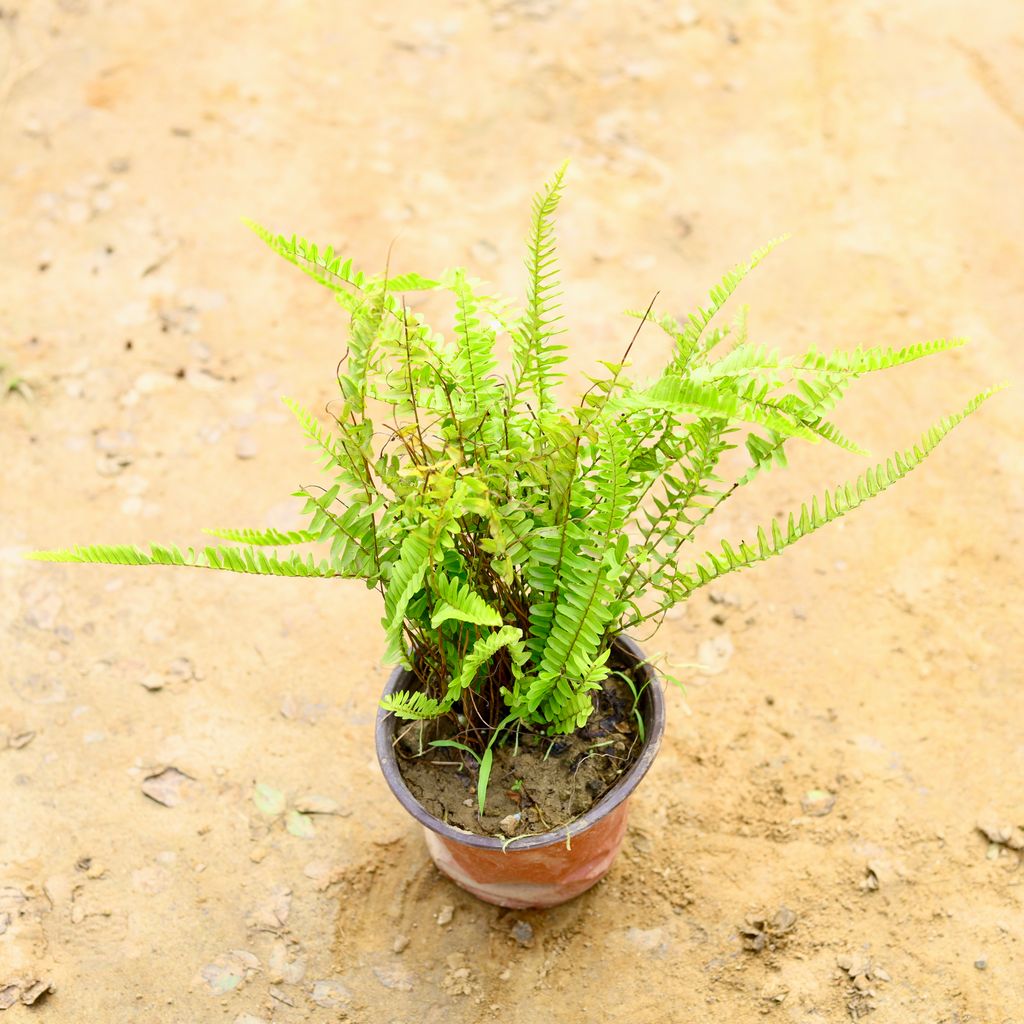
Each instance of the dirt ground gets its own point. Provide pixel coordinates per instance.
(879, 664)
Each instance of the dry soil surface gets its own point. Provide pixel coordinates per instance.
(877, 668)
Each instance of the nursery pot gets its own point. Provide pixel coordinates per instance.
(539, 870)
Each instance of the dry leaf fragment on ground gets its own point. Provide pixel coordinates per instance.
(316, 803)
(760, 931)
(27, 991)
(229, 971)
(329, 994)
(862, 974)
(165, 787)
(396, 978)
(272, 913)
(878, 873)
(286, 963)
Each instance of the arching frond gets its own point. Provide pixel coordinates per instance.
(816, 514)
(245, 560)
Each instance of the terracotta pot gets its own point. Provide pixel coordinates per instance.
(540, 870)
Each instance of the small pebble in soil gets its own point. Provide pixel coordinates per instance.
(522, 932)
(981, 963)
(401, 943)
(510, 823)
(246, 447)
(445, 915)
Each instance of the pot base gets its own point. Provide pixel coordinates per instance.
(540, 877)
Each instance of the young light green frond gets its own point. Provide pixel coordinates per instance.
(344, 454)
(266, 538)
(474, 362)
(411, 282)
(459, 601)
(746, 359)
(688, 397)
(813, 516)
(693, 329)
(414, 705)
(322, 265)
(860, 361)
(535, 358)
(668, 323)
(830, 432)
(244, 560)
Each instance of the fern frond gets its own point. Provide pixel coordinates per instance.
(414, 705)
(690, 337)
(813, 516)
(406, 581)
(344, 454)
(411, 282)
(860, 361)
(244, 560)
(474, 362)
(688, 397)
(586, 576)
(459, 601)
(265, 538)
(324, 266)
(481, 652)
(535, 358)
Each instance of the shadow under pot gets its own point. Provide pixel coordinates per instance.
(538, 870)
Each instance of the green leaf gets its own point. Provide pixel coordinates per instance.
(268, 800)
(483, 778)
(299, 824)
(244, 560)
(458, 746)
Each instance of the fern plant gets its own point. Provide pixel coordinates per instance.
(512, 538)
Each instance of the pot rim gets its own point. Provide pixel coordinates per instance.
(653, 710)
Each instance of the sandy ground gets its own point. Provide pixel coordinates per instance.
(881, 662)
